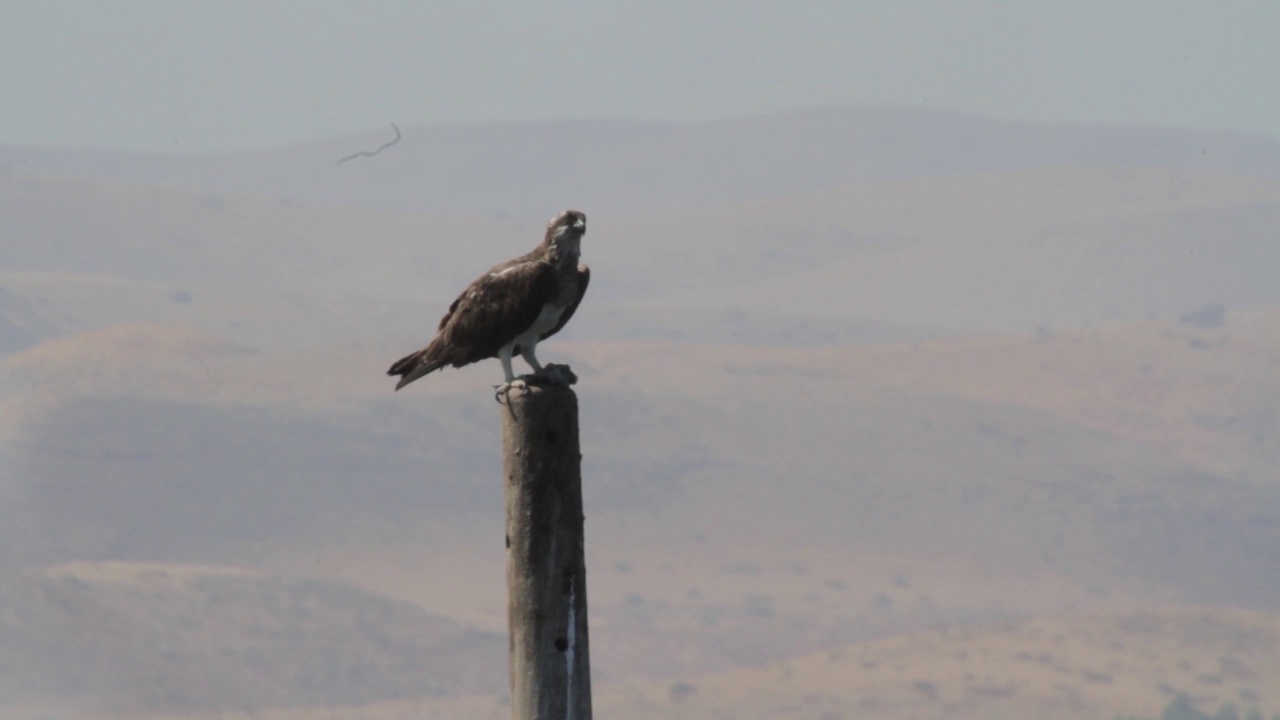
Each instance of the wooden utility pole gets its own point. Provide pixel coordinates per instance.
(546, 571)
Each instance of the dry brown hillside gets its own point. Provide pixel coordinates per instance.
(876, 423)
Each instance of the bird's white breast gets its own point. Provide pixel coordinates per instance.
(546, 319)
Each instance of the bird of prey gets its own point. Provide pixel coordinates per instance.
(509, 310)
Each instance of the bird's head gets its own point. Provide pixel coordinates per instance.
(565, 230)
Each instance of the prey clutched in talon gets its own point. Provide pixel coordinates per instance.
(558, 374)
(550, 375)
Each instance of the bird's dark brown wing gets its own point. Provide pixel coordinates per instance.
(584, 277)
(490, 313)
(495, 309)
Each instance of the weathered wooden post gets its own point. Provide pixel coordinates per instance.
(546, 570)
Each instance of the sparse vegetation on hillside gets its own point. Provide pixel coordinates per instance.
(1183, 708)
(1207, 316)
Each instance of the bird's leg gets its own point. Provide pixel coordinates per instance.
(528, 354)
(551, 374)
(541, 375)
(500, 392)
(504, 355)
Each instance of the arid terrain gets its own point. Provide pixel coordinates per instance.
(885, 414)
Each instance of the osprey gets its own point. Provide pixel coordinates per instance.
(510, 309)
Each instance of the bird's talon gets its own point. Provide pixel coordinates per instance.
(502, 393)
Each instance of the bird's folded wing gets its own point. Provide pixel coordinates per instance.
(495, 309)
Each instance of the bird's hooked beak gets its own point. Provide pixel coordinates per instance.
(580, 224)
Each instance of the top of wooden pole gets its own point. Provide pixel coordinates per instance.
(534, 405)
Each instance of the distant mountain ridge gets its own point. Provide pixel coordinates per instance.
(531, 168)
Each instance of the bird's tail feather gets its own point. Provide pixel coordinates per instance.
(414, 366)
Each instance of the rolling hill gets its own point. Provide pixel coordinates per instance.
(133, 638)
(876, 405)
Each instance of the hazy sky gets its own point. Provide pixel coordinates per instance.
(227, 74)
